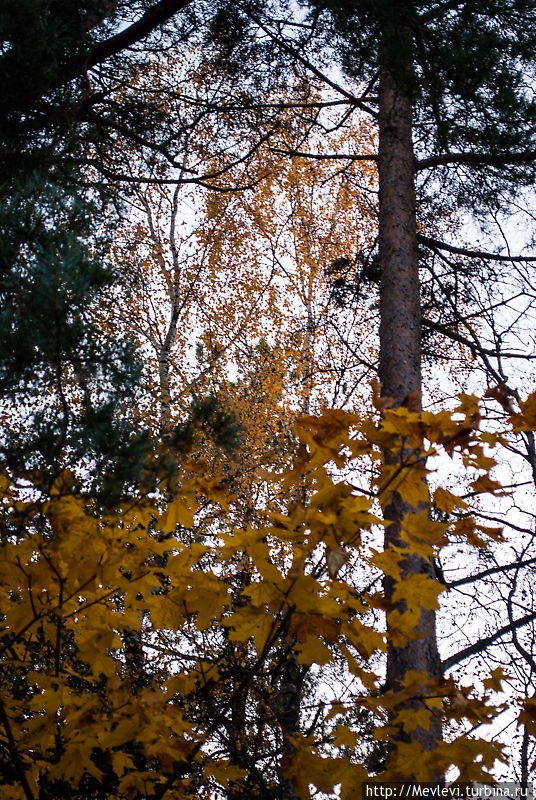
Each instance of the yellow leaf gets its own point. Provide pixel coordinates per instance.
(486, 485)
(408, 480)
(305, 767)
(343, 736)
(207, 601)
(410, 760)
(401, 627)
(250, 622)
(335, 559)
(353, 775)
(304, 625)
(263, 593)
(418, 591)
(368, 679)
(365, 639)
(167, 609)
(313, 651)
(447, 501)
(389, 561)
(494, 682)
(526, 420)
(423, 535)
(412, 718)
(467, 527)
(527, 716)
(121, 762)
(179, 512)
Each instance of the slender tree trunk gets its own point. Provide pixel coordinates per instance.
(525, 769)
(164, 361)
(290, 692)
(400, 312)
(164, 356)
(290, 689)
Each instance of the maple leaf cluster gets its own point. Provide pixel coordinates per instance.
(113, 627)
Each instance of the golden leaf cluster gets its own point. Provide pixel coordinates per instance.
(83, 595)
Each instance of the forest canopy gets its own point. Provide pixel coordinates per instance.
(268, 400)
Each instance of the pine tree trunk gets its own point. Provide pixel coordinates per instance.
(400, 309)
(400, 351)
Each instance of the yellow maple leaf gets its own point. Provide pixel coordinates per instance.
(263, 593)
(447, 501)
(389, 561)
(409, 760)
(167, 609)
(304, 766)
(343, 736)
(305, 625)
(494, 682)
(180, 511)
(250, 622)
(526, 420)
(365, 639)
(418, 591)
(313, 651)
(401, 627)
(423, 535)
(486, 485)
(412, 718)
(527, 715)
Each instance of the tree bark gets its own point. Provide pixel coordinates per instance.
(400, 348)
(292, 676)
(400, 308)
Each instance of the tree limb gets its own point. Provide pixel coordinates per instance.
(152, 18)
(476, 159)
(462, 251)
(481, 644)
(474, 346)
(491, 571)
(14, 753)
(325, 156)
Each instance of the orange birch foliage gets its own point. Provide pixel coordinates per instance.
(237, 299)
(249, 287)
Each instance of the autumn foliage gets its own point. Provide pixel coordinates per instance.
(222, 225)
(114, 627)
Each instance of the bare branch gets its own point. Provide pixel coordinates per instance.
(462, 251)
(306, 63)
(474, 346)
(153, 17)
(325, 156)
(476, 159)
(491, 571)
(485, 642)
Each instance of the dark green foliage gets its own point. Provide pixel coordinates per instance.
(209, 415)
(57, 116)
(65, 383)
(41, 42)
(470, 67)
(354, 281)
